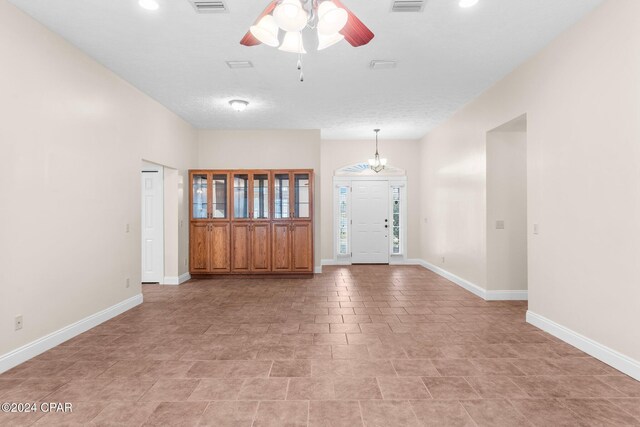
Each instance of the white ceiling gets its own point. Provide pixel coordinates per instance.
(446, 56)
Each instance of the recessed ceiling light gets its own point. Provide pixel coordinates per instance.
(149, 4)
(239, 104)
(467, 3)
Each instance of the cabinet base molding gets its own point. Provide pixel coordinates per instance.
(264, 275)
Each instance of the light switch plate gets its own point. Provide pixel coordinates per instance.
(500, 224)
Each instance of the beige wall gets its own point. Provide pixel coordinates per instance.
(507, 202)
(581, 95)
(72, 138)
(399, 153)
(266, 149)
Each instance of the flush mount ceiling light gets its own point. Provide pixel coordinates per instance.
(239, 104)
(467, 3)
(149, 4)
(377, 164)
(330, 20)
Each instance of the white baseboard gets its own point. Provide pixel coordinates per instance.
(601, 352)
(34, 348)
(507, 295)
(172, 280)
(471, 287)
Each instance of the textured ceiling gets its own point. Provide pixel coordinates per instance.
(446, 56)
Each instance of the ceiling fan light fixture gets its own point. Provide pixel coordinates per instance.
(149, 4)
(292, 42)
(331, 18)
(467, 3)
(325, 41)
(239, 105)
(290, 16)
(266, 31)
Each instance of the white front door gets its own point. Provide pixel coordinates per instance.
(369, 215)
(152, 225)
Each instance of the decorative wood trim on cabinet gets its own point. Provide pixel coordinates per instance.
(273, 232)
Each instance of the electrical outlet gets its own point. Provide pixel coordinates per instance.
(443, 260)
(127, 228)
(500, 224)
(18, 324)
(536, 229)
(126, 283)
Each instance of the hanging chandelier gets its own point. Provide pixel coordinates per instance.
(377, 164)
(282, 23)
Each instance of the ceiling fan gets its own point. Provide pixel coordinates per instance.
(330, 18)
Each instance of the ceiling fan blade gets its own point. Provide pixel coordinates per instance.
(249, 39)
(355, 32)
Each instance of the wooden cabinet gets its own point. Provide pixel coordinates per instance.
(200, 248)
(240, 243)
(251, 221)
(260, 253)
(301, 246)
(219, 253)
(209, 247)
(250, 248)
(292, 246)
(281, 246)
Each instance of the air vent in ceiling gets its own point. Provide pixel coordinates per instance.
(216, 6)
(407, 6)
(239, 64)
(382, 65)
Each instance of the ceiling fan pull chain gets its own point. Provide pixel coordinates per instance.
(300, 67)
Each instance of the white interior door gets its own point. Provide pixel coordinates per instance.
(152, 225)
(369, 216)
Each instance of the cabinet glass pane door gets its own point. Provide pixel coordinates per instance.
(302, 195)
(281, 195)
(219, 202)
(200, 197)
(261, 196)
(241, 196)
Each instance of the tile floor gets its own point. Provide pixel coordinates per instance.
(364, 345)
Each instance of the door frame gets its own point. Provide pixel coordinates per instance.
(148, 167)
(394, 181)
